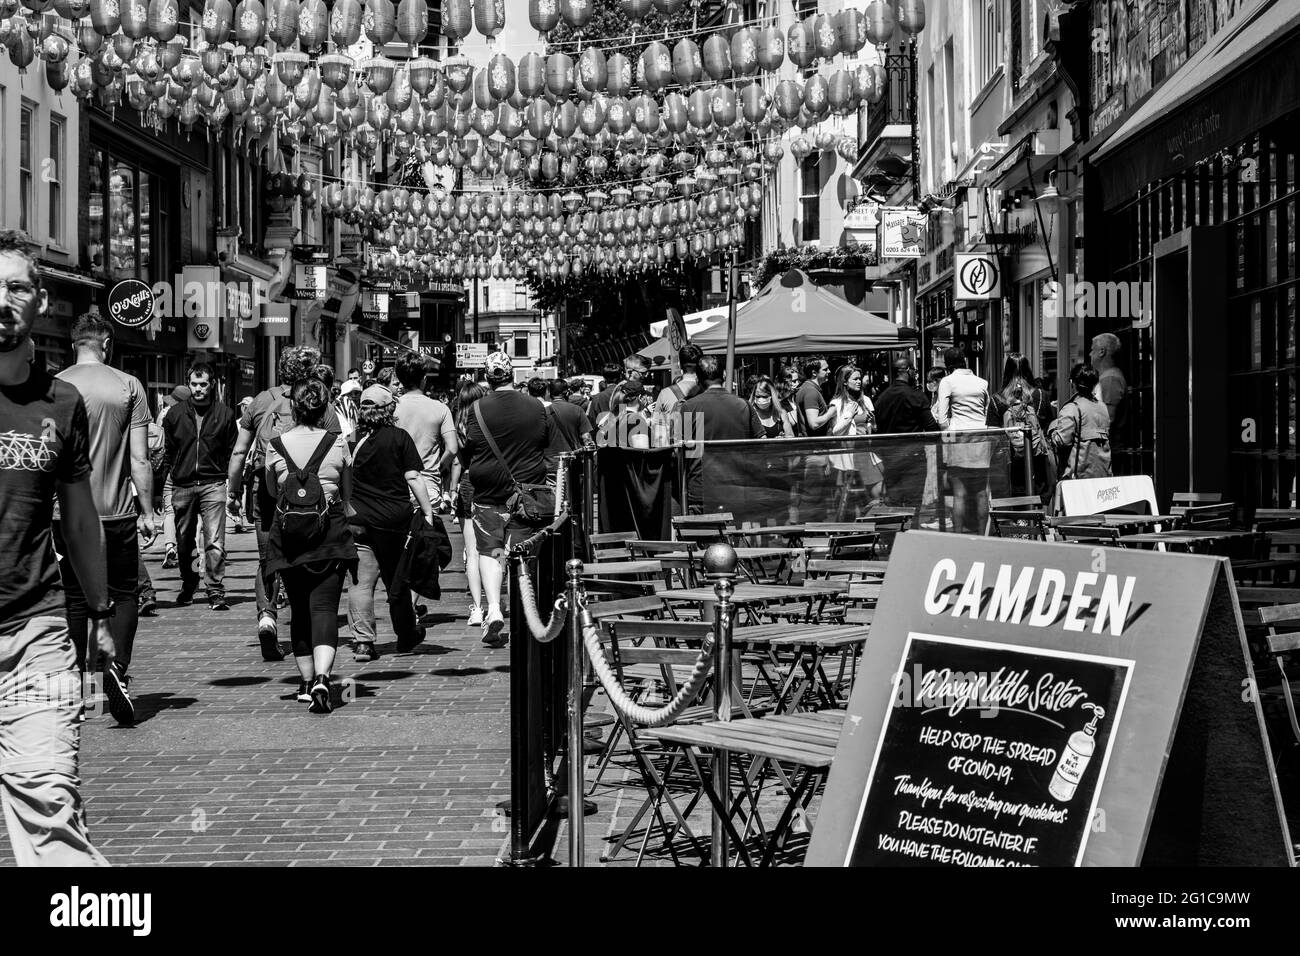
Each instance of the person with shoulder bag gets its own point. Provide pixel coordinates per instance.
(1080, 435)
(308, 474)
(854, 414)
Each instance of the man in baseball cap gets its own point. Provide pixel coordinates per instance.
(498, 368)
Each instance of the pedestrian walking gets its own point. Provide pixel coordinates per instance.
(764, 400)
(270, 414)
(200, 435)
(121, 484)
(308, 475)
(467, 394)
(429, 423)
(667, 417)
(44, 454)
(902, 409)
(714, 415)
(387, 472)
(163, 479)
(1081, 432)
(963, 405)
(857, 469)
(635, 368)
(506, 437)
(570, 428)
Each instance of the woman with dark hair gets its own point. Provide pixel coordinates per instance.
(763, 399)
(853, 414)
(1081, 432)
(629, 424)
(311, 564)
(386, 474)
(467, 393)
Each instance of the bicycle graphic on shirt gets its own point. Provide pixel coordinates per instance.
(21, 451)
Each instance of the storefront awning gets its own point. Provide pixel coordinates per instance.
(1241, 80)
(49, 272)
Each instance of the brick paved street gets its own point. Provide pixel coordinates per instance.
(224, 767)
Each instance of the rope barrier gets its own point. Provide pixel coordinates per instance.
(622, 701)
(545, 633)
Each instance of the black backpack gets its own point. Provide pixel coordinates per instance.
(302, 510)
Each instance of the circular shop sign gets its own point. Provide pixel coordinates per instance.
(979, 276)
(130, 303)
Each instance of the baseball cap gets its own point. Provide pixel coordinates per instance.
(350, 386)
(181, 393)
(498, 365)
(377, 395)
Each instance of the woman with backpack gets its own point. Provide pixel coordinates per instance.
(1081, 433)
(1018, 373)
(386, 473)
(309, 476)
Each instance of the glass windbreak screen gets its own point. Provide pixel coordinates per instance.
(944, 479)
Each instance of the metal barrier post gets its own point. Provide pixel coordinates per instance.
(589, 493)
(1029, 460)
(720, 564)
(577, 761)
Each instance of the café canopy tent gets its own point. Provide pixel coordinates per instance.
(696, 322)
(793, 315)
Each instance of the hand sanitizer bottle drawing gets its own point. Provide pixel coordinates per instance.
(1074, 761)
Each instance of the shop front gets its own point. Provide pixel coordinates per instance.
(1198, 197)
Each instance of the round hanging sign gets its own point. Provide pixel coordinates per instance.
(130, 303)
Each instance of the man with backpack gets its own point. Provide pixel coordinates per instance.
(269, 416)
(667, 425)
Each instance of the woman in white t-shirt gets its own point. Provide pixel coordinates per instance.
(854, 414)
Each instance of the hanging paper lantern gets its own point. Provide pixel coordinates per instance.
(106, 18)
(544, 15)
(675, 113)
(591, 117)
(911, 16)
(22, 50)
(335, 70)
(826, 39)
(307, 92)
(593, 71)
(842, 92)
(379, 73)
(54, 50)
(345, 23)
(559, 74)
(69, 9)
(770, 48)
(400, 94)
(816, 95)
(871, 82)
(722, 104)
(170, 53)
(509, 121)
(634, 10)
(688, 65)
(656, 67)
(289, 66)
(251, 65)
(645, 114)
(699, 110)
(753, 103)
(717, 57)
(459, 74)
(851, 28)
(668, 7)
(135, 18)
(88, 39)
(531, 75)
(163, 19)
(484, 122)
(800, 45)
(618, 116)
(457, 19)
(281, 22)
(539, 117)
(250, 23)
(743, 50)
(488, 18)
(566, 119)
(379, 21)
(789, 99)
(313, 25)
(880, 22)
(576, 13)
(501, 77)
(618, 78)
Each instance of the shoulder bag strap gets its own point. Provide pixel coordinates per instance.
(492, 443)
(322, 449)
(289, 463)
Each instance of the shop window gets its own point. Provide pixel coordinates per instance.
(54, 177)
(986, 23)
(521, 345)
(26, 165)
(122, 209)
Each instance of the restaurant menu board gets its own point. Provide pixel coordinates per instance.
(1120, 733)
(991, 756)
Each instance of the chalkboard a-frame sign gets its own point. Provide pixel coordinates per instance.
(1052, 705)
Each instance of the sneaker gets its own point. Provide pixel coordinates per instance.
(475, 616)
(119, 698)
(364, 652)
(267, 633)
(218, 604)
(492, 626)
(170, 560)
(148, 606)
(420, 611)
(185, 599)
(304, 692)
(320, 695)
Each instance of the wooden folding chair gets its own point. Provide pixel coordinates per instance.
(1208, 516)
(1090, 534)
(683, 569)
(612, 546)
(1018, 503)
(704, 529)
(1282, 643)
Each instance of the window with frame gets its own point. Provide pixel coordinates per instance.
(123, 212)
(521, 345)
(810, 198)
(53, 176)
(26, 167)
(986, 36)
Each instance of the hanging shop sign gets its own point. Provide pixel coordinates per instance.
(977, 278)
(1052, 705)
(374, 305)
(276, 318)
(471, 354)
(130, 303)
(202, 332)
(902, 232)
(310, 281)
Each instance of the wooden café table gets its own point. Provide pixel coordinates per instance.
(614, 569)
(751, 560)
(749, 598)
(810, 644)
(1135, 524)
(1192, 541)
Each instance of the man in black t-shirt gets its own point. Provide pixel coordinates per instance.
(715, 415)
(812, 489)
(44, 453)
(520, 427)
(570, 427)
